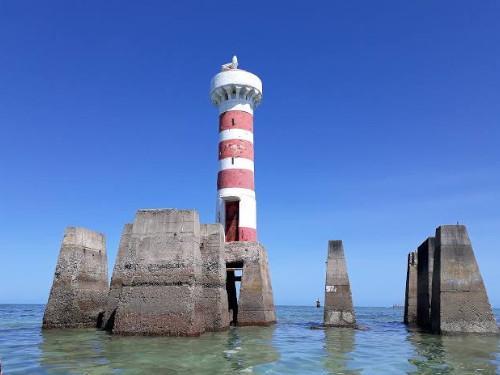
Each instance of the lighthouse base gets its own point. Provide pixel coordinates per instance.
(255, 305)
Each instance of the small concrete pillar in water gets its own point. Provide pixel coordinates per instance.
(80, 287)
(410, 314)
(338, 310)
(459, 300)
(425, 265)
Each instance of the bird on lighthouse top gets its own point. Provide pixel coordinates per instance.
(232, 84)
(232, 65)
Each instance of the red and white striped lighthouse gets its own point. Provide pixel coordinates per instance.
(236, 93)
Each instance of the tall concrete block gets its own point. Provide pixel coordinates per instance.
(121, 270)
(213, 302)
(160, 295)
(459, 300)
(80, 286)
(425, 266)
(338, 310)
(410, 313)
(255, 305)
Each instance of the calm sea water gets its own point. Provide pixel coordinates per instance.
(383, 346)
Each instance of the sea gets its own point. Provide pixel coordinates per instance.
(297, 344)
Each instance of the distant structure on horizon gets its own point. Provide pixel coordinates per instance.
(236, 93)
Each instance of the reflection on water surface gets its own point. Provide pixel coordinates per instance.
(383, 346)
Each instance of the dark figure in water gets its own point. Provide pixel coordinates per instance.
(318, 304)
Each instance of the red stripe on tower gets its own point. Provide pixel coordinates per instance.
(236, 148)
(236, 120)
(235, 178)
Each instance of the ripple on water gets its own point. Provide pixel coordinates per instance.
(385, 346)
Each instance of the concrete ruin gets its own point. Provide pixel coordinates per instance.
(160, 277)
(120, 271)
(425, 266)
(338, 311)
(410, 314)
(214, 298)
(80, 287)
(256, 305)
(452, 298)
(459, 300)
(172, 276)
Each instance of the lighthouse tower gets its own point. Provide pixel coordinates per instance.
(236, 93)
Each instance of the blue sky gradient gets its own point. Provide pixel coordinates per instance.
(380, 121)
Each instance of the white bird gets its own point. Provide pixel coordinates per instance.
(232, 65)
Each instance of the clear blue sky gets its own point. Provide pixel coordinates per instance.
(380, 121)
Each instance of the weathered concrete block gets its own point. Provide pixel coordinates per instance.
(160, 295)
(80, 286)
(459, 300)
(338, 311)
(425, 266)
(410, 313)
(213, 303)
(121, 270)
(256, 305)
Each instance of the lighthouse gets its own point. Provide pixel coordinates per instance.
(236, 93)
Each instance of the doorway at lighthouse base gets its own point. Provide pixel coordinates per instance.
(233, 284)
(247, 264)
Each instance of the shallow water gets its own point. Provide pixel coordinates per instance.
(383, 346)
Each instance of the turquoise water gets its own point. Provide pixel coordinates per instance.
(383, 346)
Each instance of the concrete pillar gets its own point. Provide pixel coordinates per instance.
(459, 300)
(213, 302)
(160, 295)
(256, 304)
(410, 314)
(80, 286)
(338, 310)
(425, 265)
(121, 270)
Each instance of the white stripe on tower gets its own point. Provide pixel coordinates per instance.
(236, 134)
(236, 163)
